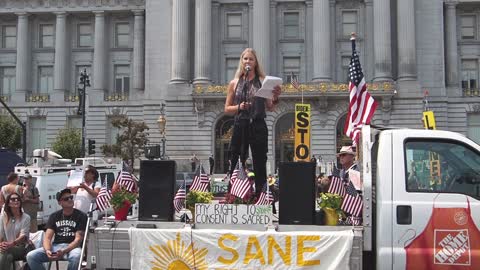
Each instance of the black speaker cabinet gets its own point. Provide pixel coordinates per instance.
(157, 187)
(297, 193)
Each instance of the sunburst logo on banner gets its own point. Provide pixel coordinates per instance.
(176, 255)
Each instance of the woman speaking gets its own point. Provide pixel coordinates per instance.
(249, 127)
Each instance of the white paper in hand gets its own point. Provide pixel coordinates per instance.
(267, 87)
(76, 177)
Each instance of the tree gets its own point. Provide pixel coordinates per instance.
(130, 142)
(68, 143)
(10, 133)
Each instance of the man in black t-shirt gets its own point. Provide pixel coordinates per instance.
(66, 227)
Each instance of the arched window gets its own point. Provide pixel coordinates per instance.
(342, 139)
(284, 139)
(223, 135)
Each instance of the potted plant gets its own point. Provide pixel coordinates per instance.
(330, 204)
(121, 201)
(194, 197)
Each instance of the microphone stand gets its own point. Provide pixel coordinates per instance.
(87, 228)
(243, 128)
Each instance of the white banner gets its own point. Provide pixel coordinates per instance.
(232, 213)
(238, 249)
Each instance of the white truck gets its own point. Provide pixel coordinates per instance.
(50, 174)
(421, 210)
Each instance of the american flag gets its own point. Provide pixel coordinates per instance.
(241, 185)
(352, 221)
(336, 184)
(201, 182)
(294, 81)
(103, 198)
(127, 180)
(179, 199)
(266, 197)
(352, 202)
(234, 175)
(362, 106)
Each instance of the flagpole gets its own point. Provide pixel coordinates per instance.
(353, 38)
(185, 201)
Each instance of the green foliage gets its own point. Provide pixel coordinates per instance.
(131, 140)
(194, 197)
(330, 200)
(120, 196)
(10, 133)
(68, 143)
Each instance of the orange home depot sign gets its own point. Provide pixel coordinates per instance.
(238, 249)
(302, 132)
(450, 241)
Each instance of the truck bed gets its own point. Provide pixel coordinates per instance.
(110, 246)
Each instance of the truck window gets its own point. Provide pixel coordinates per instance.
(442, 166)
(110, 177)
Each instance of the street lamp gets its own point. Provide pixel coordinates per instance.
(82, 91)
(162, 122)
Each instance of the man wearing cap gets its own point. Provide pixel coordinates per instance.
(31, 201)
(66, 227)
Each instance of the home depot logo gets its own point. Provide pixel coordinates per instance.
(452, 247)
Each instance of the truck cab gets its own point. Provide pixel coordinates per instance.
(421, 198)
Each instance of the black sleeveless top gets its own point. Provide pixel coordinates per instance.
(257, 110)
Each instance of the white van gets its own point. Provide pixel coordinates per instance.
(50, 175)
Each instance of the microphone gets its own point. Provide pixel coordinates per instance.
(247, 69)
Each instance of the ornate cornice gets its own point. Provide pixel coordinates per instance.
(310, 89)
(15, 6)
(321, 93)
(451, 3)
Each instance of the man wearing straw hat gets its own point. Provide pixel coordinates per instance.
(347, 158)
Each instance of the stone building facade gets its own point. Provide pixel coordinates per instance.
(142, 53)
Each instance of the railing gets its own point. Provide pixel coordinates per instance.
(471, 92)
(37, 98)
(115, 97)
(71, 97)
(307, 88)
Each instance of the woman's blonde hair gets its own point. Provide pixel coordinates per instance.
(241, 68)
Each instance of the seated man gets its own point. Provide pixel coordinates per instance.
(66, 228)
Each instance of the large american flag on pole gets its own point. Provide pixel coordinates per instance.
(352, 202)
(103, 197)
(266, 197)
(362, 106)
(201, 182)
(127, 181)
(179, 199)
(241, 185)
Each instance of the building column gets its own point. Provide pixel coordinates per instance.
(261, 32)
(407, 62)
(309, 39)
(139, 51)
(382, 40)
(60, 67)
(99, 55)
(180, 35)
(321, 41)
(369, 57)
(23, 59)
(215, 68)
(451, 43)
(203, 41)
